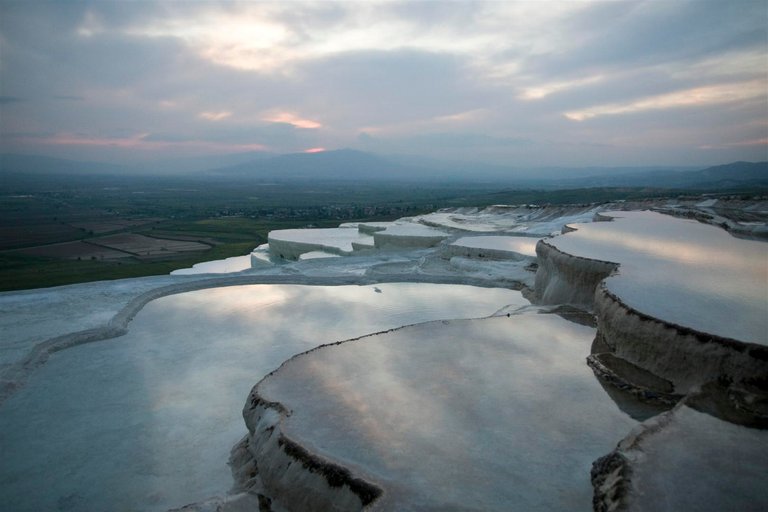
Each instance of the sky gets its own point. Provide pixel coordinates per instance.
(558, 83)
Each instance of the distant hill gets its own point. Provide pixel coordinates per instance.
(733, 175)
(728, 175)
(349, 164)
(346, 164)
(36, 164)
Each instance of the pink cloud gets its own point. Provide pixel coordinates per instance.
(140, 141)
(292, 119)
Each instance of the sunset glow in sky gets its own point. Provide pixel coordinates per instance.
(515, 83)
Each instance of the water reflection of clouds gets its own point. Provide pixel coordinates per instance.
(510, 398)
(147, 420)
(682, 271)
(272, 322)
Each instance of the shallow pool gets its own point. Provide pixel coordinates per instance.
(146, 421)
(681, 271)
(490, 414)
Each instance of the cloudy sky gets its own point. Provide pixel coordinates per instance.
(519, 83)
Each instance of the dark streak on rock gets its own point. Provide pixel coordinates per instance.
(257, 401)
(265, 504)
(335, 475)
(610, 495)
(640, 392)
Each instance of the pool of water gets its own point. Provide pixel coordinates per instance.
(493, 414)
(681, 271)
(146, 421)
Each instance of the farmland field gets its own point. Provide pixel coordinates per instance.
(78, 250)
(142, 245)
(22, 235)
(99, 227)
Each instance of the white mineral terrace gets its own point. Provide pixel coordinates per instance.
(681, 271)
(424, 231)
(509, 246)
(531, 220)
(459, 415)
(408, 235)
(225, 266)
(128, 394)
(291, 243)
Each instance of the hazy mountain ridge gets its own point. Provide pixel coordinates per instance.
(38, 164)
(340, 164)
(719, 176)
(354, 165)
(734, 172)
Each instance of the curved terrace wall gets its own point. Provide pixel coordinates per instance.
(450, 250)
(686, 357)
(267, 461)
(384, 240)
(565, 279)
(698, 461)
(292, 249)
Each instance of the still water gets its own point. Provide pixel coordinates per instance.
(493, 414)
(146, 421)
(681, 271)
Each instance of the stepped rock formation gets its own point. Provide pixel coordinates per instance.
(664, 321)
(656, 358)
(664, 303)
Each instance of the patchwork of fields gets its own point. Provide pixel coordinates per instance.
(125, 245)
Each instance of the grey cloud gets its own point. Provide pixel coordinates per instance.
(618, 88)
(365, 137)
(469, 140)
(391, 86)
(28, 135)
(448, 145)
(117, 85)
(167, 137)
(304, 18)
(280, 136)
(652, 33)
(5, 100)
(272, 134)
(436, 14)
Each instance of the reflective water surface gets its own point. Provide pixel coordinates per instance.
(146, 421)
(682, 271)
(494, 414)
(713, 466)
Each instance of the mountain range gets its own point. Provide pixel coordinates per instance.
(348, 164)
